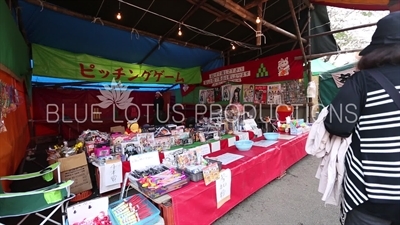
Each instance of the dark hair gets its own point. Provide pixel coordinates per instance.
(385, 55)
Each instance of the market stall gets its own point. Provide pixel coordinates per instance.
(185, 165)
(150, 171)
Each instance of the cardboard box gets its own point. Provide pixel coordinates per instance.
(72, 162)
(117, 129)
(75, 168)
(81, 178)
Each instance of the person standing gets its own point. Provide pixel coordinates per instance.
(368, 112)
(158, 108)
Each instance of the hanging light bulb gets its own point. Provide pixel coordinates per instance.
(119, 17)
(258, 20)
(233, 47)
(179, 31)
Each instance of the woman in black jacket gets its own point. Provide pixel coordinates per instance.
(366, 111)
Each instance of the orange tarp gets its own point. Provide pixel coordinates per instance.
(13, 143)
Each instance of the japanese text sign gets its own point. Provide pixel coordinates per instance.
(61, 64)
(270, 69)
(223, 187)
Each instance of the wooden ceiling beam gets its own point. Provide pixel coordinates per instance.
(240, 11)
(298, 32)
(299, 8)
(251, 5)
(208, 8)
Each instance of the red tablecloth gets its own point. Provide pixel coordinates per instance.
(258, 167)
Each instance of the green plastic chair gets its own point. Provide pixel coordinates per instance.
(32, 202)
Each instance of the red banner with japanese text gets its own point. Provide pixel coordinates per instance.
(52, 62)
(270, 69)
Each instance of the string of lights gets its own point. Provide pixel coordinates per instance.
(234, 43)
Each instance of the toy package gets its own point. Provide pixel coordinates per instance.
(146, 141)
(163, 143)
(129, 148)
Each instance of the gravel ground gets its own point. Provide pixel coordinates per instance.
(292, 200)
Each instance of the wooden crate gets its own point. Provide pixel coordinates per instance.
(167, 212)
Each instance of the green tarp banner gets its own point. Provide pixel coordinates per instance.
(52, 62)
(14, 52)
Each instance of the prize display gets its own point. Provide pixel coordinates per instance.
(9, 102)
(288, 92)
(160, 184)
(134, 210)
(63, 151)
(294, 92)
(138, 174)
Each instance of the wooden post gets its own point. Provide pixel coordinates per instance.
(309, 72)
(240, 11)
(259, 25)
(298, 34)
(315, 56)
(228, 57)
(340, 30)
(302, 32)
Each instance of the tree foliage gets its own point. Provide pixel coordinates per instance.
(344, 18)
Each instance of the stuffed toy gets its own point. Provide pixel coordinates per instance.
(133, 128)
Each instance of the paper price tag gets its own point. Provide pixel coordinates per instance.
(215, 146)
(231, 141)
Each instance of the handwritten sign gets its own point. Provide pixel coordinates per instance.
(142, 161)
(223, 187)
(87, 211)
(112, 173)
(211, 173)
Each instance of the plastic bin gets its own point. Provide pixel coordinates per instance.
(195, 177)
(151, 220)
